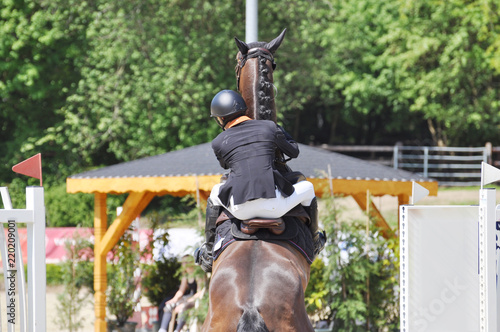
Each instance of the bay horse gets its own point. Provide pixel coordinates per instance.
(258, 286)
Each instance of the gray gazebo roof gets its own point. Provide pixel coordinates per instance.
(200, 160)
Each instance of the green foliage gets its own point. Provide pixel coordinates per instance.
(437, 53)
(55, 274)
(121, 292)
(74, 276)
(58, 202)
(147, 80)
(40, 41)
(360, 277)
(316, 291)
(96, 83)
(160, 279)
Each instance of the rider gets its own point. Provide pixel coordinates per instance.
(248, 148)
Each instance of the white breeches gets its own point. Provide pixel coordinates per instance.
(267, 207)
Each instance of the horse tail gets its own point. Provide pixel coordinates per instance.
(251, 321)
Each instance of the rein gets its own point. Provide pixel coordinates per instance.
(256, 52)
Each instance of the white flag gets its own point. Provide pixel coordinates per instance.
(489, 174)
(418, 192)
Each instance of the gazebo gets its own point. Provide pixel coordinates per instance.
(195, 170)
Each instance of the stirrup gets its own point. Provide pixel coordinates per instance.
(319, 242)
(203, 258)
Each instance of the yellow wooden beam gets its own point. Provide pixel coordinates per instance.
(171, 185)
(184, 185)
(100, 274)
(351, 187)
(374, 214)
(135, 203)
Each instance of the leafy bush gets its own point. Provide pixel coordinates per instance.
(55, 274)
(316, 291)
(121, 291)
(67, 210)
(360, 276)
(160, 279)
(74, 275)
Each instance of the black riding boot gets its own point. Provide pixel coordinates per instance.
(204, 255)
(319, 237)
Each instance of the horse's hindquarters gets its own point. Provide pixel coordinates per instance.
(256, 276)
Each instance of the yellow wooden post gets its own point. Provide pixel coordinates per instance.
(403, 199)
(105, 239)
(374, 213)
(133, 206)
(100, 275)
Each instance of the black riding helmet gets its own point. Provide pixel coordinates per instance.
(228, 105)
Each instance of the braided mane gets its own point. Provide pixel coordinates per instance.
(265, 91)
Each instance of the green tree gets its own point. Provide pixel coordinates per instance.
(101, 82)
(374, 72)
(330, 90)
(148, 78)
(492, 19)
(360, 275)
(40, 43)
(437, 51)
(58, 203)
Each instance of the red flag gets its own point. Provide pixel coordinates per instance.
(30, 167)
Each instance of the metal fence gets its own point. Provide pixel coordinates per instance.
(451, 166)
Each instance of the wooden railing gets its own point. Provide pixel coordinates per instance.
(451, 166)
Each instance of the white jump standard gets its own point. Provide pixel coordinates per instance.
(31, 317)
(448, 265)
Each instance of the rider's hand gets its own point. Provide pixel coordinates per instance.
(285, 133)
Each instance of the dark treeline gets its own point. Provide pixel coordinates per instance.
(93, 83)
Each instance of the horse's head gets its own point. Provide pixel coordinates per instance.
(254, 76)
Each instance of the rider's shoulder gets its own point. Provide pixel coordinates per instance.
(266, 123)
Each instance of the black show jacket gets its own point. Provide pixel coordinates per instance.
(248, 150)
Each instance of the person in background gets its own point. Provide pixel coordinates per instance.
(185, 297)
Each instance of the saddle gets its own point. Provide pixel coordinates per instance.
(296, 233)
(275, 226)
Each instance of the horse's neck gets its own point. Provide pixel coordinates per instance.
(257, 91)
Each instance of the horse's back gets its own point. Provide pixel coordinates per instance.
(257, 279)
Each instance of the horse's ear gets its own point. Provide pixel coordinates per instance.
(242, 46)
(276, 42)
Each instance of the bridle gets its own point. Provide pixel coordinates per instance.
(256, 52)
